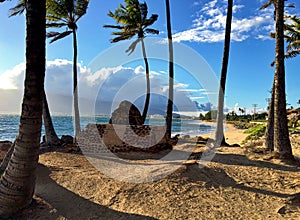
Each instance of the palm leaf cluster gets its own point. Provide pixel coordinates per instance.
(132, 20)
(64, 13)
(292, 36)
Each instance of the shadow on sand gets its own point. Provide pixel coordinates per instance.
(71, 205)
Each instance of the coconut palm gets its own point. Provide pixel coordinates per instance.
(169, 113)
(51, 137)
(132, 21)
(292, 37)
(279, 132)
(219, 136)
(18, 181)
(66, 13)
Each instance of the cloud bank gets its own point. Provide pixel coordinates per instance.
(210, 21)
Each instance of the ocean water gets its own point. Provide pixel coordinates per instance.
(64, 125)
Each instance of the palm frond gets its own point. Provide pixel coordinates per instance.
(292, 53)
(151, 31)
(132, 46)
(267, 4)
(123, 37)
(18, 9)
(57, 35)
(113, 26)
(81, 8)
(55, 25)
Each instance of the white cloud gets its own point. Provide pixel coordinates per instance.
(104, 84)
(209, 24)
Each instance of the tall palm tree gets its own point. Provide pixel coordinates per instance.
(278, 124)
(169, 113)
(132, 20)
(66, 13)
(18, 181)
(219, 135)
(282, 143)
(50, 134)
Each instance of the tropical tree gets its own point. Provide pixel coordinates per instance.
(51, 137)
(66, 13)
(132, 21)
(219, 135)
(169, 114)
(292, 37)
(18, 181)
(279, 132)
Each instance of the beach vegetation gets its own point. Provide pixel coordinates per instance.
(132, 20)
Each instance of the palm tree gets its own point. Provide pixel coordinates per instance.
(132, 20)
(50, 134)
(282, 143)
(219, 136)
(18, 181)
(66, 13)
(169, 113)
(279, 130)
(292, 37)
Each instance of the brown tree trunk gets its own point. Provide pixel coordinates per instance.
(75, 88)
(282, 143)
(219, 136)
(18, 181)
(269, 141)
(51, 137)
(147, 100)
(169, 114)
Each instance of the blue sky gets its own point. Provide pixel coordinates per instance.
(197, 24)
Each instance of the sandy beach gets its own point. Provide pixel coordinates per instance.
(236, 184)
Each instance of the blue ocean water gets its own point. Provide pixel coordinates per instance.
(64, 125)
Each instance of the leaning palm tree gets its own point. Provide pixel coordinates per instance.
(132, 20)
(169, 113)
(18, 181)
(51, 137)
(219, 136)
(66, 13)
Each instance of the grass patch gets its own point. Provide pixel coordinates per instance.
(255, 132)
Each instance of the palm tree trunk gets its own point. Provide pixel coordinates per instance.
(75, 88)
(146, 106)
(18, 181)
(282, 143)
(219, 136)
(269, 140)
(169, 114)
(52, 139)
(6, 159)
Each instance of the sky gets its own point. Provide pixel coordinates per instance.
(198, 33)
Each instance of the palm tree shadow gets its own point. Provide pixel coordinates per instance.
(71, 205)
(217, 177)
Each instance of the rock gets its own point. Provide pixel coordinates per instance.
(5, 145)
(67, 139)
(126, 114)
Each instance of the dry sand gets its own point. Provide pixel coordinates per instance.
(234, 185)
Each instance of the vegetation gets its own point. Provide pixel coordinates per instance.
(255, 132)
(219, 136)
(18, 181)
(133, 21)
(65, 14)
(171, 72)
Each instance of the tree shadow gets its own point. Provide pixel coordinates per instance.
(71, 205)
(217, 177)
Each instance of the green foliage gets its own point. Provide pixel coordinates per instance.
(201, 116)
(211, 115)
(132, 20)
(242, 125)
(255, 132)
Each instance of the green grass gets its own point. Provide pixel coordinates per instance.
(255, 132)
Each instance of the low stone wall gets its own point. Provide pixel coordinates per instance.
(118, 138)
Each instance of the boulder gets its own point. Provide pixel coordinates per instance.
(126, 114)
(5, 145)
(67, 139)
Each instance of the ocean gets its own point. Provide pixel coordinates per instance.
(64, 125)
